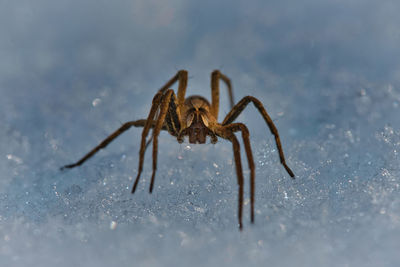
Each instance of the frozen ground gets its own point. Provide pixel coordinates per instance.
(328, 72)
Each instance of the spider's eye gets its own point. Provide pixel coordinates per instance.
(203, 110)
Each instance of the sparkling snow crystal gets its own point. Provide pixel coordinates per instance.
(328, 73)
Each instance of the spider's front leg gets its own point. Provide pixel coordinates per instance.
(181, 77)
(240, 106)
(153, 110)
(234, 127)
(227, 133)
(163, 104)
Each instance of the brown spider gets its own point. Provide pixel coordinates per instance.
(195, 117)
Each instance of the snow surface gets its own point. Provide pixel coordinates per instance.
(71, 72)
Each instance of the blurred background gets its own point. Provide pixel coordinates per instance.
(72, 72)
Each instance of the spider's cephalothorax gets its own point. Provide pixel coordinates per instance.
(196, 118)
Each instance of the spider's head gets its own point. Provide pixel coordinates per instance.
(197, 119)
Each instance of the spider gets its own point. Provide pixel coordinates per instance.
(196, 118)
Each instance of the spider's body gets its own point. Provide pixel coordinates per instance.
(196, 118)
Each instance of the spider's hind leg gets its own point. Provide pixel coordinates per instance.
(126, 126)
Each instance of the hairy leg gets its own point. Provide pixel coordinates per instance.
(105, 142)
(181, 77)
(226, 133)
(246, 140)
(153, 110)
(216, 75)
(172, 120)
(240, 106)
(164, 105)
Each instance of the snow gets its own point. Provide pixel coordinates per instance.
(72, 72)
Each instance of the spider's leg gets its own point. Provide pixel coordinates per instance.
(239, 173)
(172, 119)
(152, 113)
(246, 140)
(182, 78)
(239, 107)
(105, 142)
(227, 133)
(216, 75)
(164, 105)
